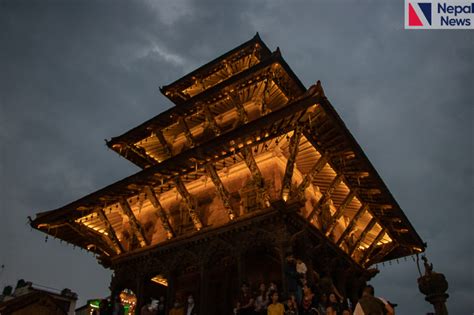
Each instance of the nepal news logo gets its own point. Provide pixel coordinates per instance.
(450, 14)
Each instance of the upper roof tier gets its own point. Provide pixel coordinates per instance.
(241, 97)
(220, 69)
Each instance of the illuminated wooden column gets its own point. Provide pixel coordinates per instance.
(110, 231)
(159, 211)
(134, 224)
(340, 210)
(187, 132)
(190, 202)
(318, 166)
(224, 195)
(290, 164)
(362, 236)
(352, 224)
(326, 196)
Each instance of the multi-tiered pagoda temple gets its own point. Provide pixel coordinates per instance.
(247, 167)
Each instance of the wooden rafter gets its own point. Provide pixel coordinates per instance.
(190, 202)
(243, 117)
(110, 231)
(159, 211)
(255, 171)
(352, 224)
(105, 243)
(166, 146)
(134, 224)
(372, 246)
(187, 132)
(252, 165)
(290, 164)
(221, 190)
(318, 166)
(326, 196)
(263, 99)
(141, 154)
(362, 236)
(211, 120)
(384, 251)
(339, 212)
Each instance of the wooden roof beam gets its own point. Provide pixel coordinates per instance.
(372, 246)
(326, 196)
(263, 99)
(141, 154)
(190, 202)
(165, 144)
(367, 229)
(317, 167)
(224, 195)
(103, 240)
(187, 132)
(211, 120)
(352, 224)
(110, 231)
(339, 212)
(290, 164)
(255, 171)
(384, 251)
(159, 211)
(243, 116)
(134, 224)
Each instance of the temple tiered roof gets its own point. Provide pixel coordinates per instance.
(244, 138)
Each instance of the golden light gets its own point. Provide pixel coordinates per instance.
(160, 280)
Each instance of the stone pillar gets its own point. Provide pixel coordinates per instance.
(434, 285)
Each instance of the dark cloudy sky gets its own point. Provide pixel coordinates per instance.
(73, 73)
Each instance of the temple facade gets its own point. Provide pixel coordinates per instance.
(247, 167)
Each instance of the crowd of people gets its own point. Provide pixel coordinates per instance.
(309, 295)
(267, 301)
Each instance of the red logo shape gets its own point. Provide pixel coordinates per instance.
(413, 19)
